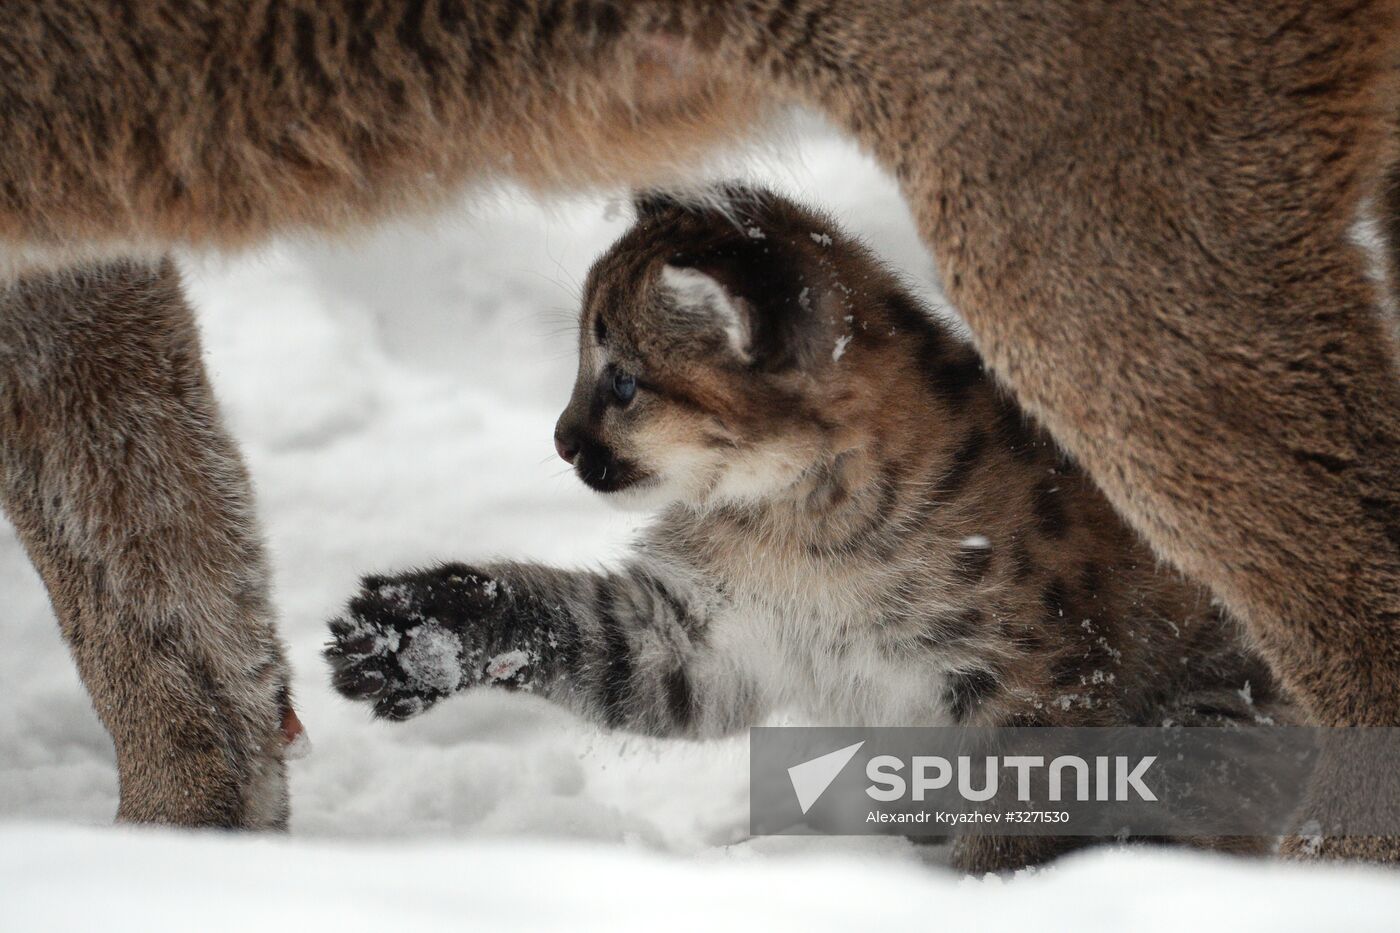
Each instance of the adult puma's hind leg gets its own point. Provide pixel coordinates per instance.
(1199, 331)
(1253, 434)
(133, 504)
(1387, 216)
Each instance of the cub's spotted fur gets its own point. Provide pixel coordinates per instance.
(856, 523)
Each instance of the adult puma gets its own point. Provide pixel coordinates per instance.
(1142, 210)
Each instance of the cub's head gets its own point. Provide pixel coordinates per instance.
(705, 336)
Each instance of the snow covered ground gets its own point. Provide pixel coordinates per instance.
(395, 398)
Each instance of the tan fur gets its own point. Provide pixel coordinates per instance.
(222, 123)
(1141, 210)
(133, 503)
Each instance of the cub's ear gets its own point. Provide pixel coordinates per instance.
(703, 299)
(649, 204)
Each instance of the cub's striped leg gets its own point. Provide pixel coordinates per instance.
(623, 648)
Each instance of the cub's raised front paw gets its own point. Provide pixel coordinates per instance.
(405, 642)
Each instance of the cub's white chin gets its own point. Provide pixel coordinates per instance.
(649, 495)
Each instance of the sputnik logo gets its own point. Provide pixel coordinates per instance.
(811, 778)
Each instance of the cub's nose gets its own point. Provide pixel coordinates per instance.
(566, 451)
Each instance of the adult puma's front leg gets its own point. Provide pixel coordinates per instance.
(133, 504)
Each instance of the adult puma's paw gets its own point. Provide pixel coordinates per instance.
(405, 642)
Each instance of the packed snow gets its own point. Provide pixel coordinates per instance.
(395, 397)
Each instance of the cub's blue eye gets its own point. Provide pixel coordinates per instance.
(624, 387)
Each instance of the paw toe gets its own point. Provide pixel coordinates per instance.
(360, 683)
(401, 706)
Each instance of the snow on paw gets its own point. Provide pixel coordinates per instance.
(403, 642)
(511, 669)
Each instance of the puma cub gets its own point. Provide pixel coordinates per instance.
(855, 522)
